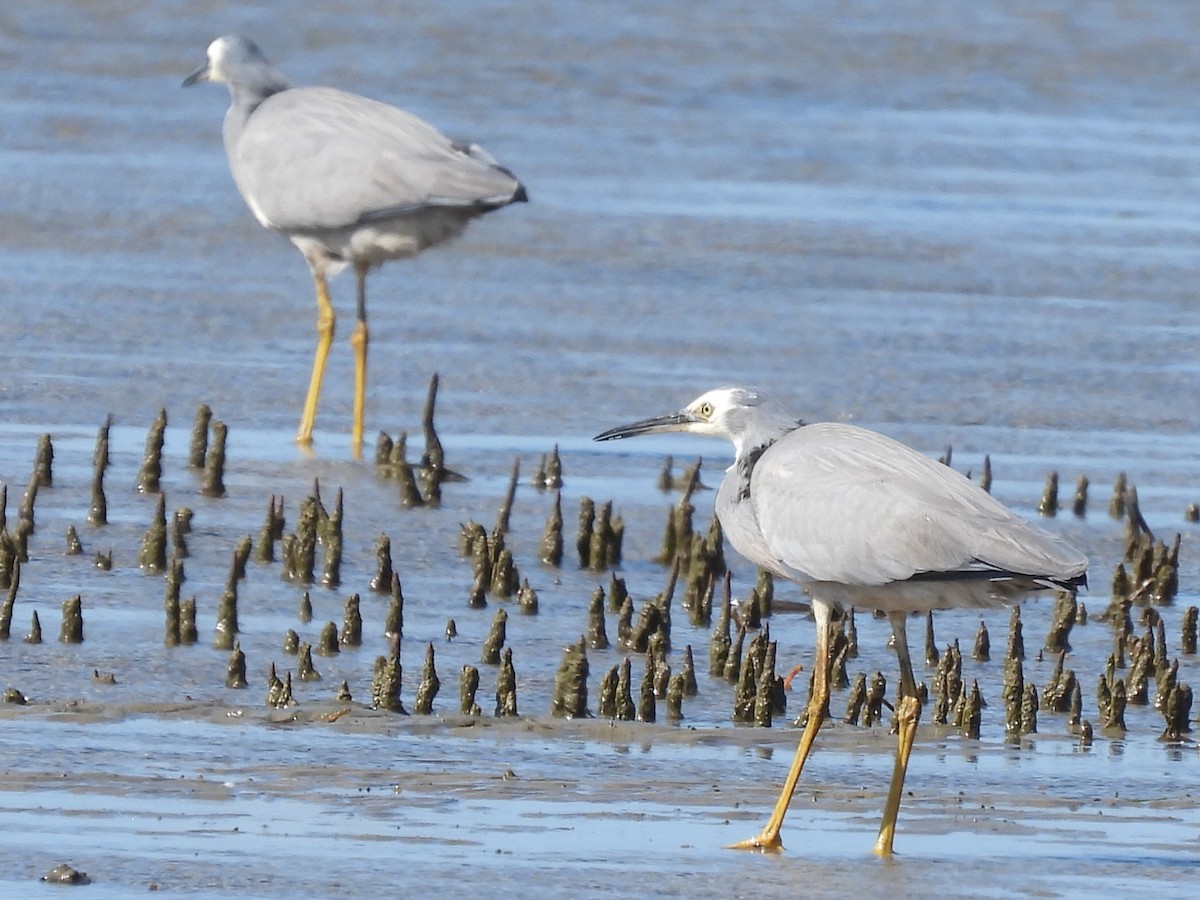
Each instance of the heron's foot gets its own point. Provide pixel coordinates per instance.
(304, 444)
(883, 846)
(767, 842)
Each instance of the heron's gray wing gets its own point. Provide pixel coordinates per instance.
(842, 504)
(316, 158)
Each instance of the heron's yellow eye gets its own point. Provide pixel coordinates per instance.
(704, 410)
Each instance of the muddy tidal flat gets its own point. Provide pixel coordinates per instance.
(974, 229)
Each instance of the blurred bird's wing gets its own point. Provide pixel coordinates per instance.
(319, 158)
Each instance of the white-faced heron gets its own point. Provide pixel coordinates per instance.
(350, 181)
(860, 520)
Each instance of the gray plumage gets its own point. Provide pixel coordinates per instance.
(350, 181)
(862, 520)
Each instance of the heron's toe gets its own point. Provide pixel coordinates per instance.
(763, 843)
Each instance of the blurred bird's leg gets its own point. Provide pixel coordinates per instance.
(908, 714)
(818, 708)
(359, 340)
(325, 320)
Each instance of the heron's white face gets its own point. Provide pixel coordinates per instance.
(710, 412)
(730, 412)
(217, 56)
(214, 64)
(224, 56)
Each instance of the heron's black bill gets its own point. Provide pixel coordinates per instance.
(201, 74)
(672, 422)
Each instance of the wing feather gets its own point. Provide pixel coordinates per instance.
(842, 504)
(318, 158)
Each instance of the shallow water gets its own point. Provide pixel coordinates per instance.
(963, 226)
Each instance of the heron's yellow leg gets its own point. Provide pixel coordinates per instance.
(359, 340)
(325, 321)
(908, 714)
(768, 838)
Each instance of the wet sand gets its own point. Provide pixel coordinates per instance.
(265, 805)
(967, 227)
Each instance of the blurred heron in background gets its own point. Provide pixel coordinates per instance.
(350, 181)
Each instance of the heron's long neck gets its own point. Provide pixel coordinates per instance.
(248, 92)
(245, 97)
(751, 449)
(745, 468)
